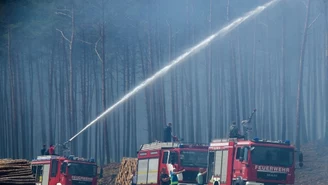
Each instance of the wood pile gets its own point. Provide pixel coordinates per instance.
(110, 172)
(15, 172)
(127, 166)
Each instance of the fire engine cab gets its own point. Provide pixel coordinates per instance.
(59, 170)
(154, 157)
(250, 162)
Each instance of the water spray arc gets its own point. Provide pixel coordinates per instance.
(179, 59)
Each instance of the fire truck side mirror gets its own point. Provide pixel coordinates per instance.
(63, 168)
(241, 154)
(173, 157)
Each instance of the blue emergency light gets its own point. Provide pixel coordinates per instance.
(256, 139)
(287, 142)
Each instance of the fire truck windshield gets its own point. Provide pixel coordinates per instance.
(85, 170)
(273, 156)
(193, 158)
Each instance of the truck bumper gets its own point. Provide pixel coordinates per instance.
(254, 183)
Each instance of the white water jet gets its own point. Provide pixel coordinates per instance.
(188, 53)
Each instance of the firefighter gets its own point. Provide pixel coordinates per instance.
(101, 174)
(174, 176)
(200, 178)
(51, 149)
(133, 178)
(168, 133)
(43, 150)
(234, 131)
(165, 179)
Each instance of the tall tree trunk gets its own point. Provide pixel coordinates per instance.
(3, 111)
(71, 108)
(50, 92)
(84, 96)
(233, 76)
(300, 78)
(173, 80)
(63, 98)
(90, 99)
(133, 131)
(189, 83)
(269, 110)
(149, 70)
(128, 104)
(182, 124)
(326, 71)
(315, 89)
(42, 106)
(243, 87)
(144, 74)
(159, 86)
(270, 99)
(97, 134)
(198, 134)
(234, 79)
(117, 122)
(106, 140)
(31, 120)
(282, 82)
(209, 81)
(13, 127)
(21, 134)
(253, 96)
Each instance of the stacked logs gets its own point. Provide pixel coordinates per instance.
(127, 166)
(15, 172)
(110, 172)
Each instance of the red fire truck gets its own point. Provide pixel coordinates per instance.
(59, 170)
(153, 157)
(251, 162)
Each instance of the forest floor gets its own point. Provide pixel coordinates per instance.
(314, 171)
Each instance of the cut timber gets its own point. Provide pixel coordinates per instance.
(16, 172)
(128, 165)
(110, 172)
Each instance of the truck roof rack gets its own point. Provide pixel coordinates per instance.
(158, 145)
(168, 145)
(227, 140)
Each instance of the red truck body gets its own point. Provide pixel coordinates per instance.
(58, 170)
(153, 157)
(250, 162)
